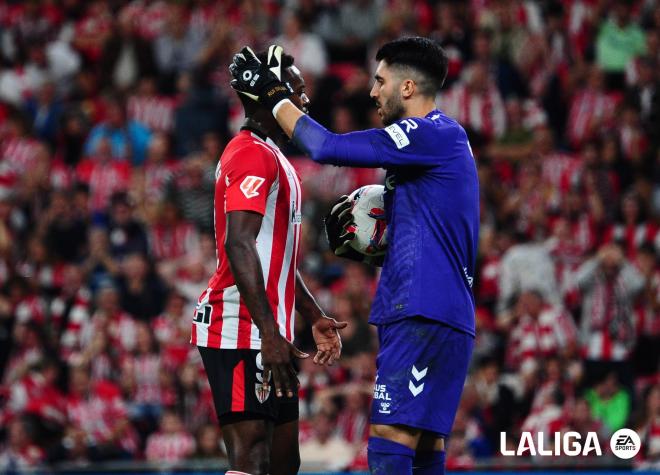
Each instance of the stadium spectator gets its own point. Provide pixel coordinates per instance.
(21, 451)
(111, 319)
(139, 379)
(525, 265)
(128, 139)
(99, 410)
(648, 425)
(126, 57)
(171, 442)
(208, 443)
(608, 283)
(142, 293)
(70, 312)
(171, 241)
(103, 175)
(542, 331)
(619, 40)
(177, 46)
(44, 111)
(609, 403)
(64, 230)
(191, 189)
(307, 48)
(127, 235)
(325, 449)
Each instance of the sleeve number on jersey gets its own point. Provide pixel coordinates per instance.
(203, 314)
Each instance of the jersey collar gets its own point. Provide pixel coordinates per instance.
(260, 137)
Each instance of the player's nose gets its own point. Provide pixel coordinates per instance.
(374, 92)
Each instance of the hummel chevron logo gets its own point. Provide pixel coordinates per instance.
(418, 375)
(415, 390)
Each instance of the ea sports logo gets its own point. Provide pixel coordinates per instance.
(625, 443)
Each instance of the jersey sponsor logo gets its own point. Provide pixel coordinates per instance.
(296, 215)
(397, 134)
(250, 185)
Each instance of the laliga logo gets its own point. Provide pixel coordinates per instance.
(625, 444)
(567, 443)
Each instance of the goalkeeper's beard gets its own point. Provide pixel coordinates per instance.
(392, 111)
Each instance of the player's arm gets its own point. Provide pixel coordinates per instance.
(324, 329)
(403, 143)
(240, 246)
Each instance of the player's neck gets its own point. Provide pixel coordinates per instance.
(420, 108)
(259, 128)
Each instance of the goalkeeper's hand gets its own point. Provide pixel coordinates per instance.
(340, 231)
(258, 81)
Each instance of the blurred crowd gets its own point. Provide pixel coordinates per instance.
(113, 114)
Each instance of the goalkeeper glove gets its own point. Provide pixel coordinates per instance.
(258, 81)
(340, 231)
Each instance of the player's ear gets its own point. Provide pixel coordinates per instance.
(407, 88)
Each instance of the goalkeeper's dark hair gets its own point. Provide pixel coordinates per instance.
(251, 106)
(420, 55)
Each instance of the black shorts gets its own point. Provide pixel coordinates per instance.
(235, 377)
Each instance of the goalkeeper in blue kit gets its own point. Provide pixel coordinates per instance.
(424, 307)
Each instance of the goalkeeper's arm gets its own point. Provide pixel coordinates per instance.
(323, 146)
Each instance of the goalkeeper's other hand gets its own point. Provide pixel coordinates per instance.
(339, 230)
(258, 81)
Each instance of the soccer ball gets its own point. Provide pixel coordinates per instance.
(369, 223)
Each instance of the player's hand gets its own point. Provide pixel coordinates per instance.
(328, 342)
(340, 231)
(258, 81)
(276, 354)
(338, 225)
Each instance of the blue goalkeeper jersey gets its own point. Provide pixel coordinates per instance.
(432, 209)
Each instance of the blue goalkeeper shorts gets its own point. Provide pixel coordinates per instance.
(421, 369)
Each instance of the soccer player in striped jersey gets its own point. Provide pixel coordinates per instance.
(424, 307)
(244, 321)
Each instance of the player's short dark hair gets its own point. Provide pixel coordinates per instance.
(423, 55)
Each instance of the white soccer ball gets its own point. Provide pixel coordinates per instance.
(369, 226)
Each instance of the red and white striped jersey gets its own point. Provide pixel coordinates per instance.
(172, 447)
(590, 111)
(483, 112)
(252, 175)
(154, 112)
(545, 336)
